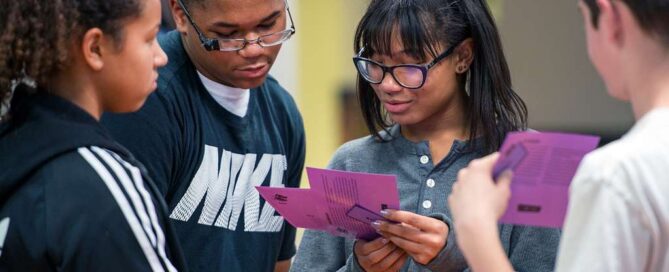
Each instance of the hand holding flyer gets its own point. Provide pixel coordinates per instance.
(339, 202)
(543, 165)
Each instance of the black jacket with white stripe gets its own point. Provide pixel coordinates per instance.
(71, 199)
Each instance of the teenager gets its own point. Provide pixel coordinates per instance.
(618, 210)
(434, 81)
(218, 126)
(71, 198)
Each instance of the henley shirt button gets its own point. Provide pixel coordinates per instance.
(427, 204)
(424, 159)
(430, 183)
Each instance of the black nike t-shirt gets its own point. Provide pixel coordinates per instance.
(207, 162)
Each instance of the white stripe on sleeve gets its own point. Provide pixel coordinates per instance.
(126, 209)
(123, 177)
(137, 177)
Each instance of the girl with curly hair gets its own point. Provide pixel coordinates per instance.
(71, 198)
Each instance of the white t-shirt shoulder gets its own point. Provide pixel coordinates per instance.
(618, 215)
(234, 100)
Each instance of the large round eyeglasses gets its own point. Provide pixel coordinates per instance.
(410, 76)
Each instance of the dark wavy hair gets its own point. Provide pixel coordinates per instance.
(494, 109)
(36, 35)
(652, 15)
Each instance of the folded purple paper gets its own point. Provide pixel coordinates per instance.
(339, 202)
(543, 165)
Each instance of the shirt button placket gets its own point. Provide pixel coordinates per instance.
(430, 183)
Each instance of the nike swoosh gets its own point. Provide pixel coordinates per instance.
(4, 227)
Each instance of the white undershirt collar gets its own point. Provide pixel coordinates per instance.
(234, 100)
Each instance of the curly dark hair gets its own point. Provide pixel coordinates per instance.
(36, 35)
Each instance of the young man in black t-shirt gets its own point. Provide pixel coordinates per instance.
(218, 126)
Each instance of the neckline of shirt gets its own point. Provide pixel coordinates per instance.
(234, 100)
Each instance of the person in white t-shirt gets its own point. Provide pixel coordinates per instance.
(618, 216)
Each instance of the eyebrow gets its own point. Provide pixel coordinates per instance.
(264, 20)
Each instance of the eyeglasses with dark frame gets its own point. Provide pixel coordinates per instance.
(228, 45)
(410, 76)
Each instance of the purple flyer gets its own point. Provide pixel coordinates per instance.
(543, 164)
(339, 202)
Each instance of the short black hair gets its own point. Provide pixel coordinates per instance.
(652, 15)
(423, 26)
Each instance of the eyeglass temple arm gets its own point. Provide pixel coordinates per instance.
(362, 49)
(441, 57)
(444, 55)
(290, 17)
(208, 44)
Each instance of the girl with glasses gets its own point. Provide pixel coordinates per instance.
(435, 93)
(71, 198)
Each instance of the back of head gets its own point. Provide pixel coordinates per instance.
(37, 37)
(652, 16)
(423, 26)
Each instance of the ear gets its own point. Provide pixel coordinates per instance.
(179, 16)
(92, 49)
(585, 13)
(610, 23)
(464, 54)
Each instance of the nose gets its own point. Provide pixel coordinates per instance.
(388, 84)
(160, 58)
(252, 49)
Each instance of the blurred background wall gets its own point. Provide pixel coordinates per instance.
(544, 43)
